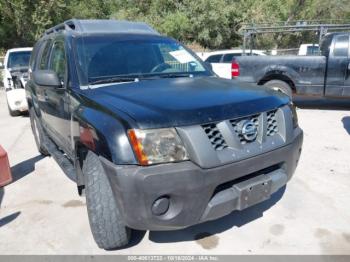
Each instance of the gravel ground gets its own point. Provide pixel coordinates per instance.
(41, 212)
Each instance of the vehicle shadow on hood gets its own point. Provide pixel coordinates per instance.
(346, 123)
(211, 228)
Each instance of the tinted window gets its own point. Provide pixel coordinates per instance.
(58, 60)
(325, 45)
(312, 50)
(214, 59)
(18, 59)
(34, 55)
(228, 57)
(341, 46)
(45, 55)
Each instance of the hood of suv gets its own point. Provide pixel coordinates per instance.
(185, 101)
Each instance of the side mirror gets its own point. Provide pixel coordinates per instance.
(1, 65)
(209, 65)
(47, 78)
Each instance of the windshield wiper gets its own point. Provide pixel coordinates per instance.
(115, 80)
(121, 79)
(174, 75)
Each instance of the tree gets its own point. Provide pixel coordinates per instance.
(211, 23)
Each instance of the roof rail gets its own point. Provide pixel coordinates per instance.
(66, 25)
(102, 26)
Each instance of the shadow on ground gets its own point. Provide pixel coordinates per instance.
(4, 221)
(24, 168)
(207, 229)
(9, 218)
(346, 123)
(322, 103)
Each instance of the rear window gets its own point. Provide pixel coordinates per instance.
(228, 57)
(325, 45)
(312, 50)
(341, 46)
(214, 59)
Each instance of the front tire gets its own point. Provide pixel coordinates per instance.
(280, 86)
(38, 132)
(105, 219)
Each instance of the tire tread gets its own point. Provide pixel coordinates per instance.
(106, 222)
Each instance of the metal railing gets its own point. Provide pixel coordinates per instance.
(320, 27)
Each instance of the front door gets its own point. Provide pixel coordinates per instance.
(57, 112)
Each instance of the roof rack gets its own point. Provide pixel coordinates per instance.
(102, 26)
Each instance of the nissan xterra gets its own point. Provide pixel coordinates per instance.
(152, 137)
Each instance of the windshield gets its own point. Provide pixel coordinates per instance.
(18, 59)
(112, 58)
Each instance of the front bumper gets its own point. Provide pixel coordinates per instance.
(16, 100)
(195, 194)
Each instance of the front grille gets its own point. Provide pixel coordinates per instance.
(272, 127)
(218, 141)
(237, 127)
(215, 137)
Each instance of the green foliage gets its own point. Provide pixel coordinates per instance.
(211, 23)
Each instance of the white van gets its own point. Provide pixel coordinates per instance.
(15, 76)
(221, 60)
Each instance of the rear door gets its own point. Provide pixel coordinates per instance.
(337, 67)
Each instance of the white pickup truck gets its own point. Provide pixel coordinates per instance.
(221, 61)
(15, 75)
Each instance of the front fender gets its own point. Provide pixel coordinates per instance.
(102, 133)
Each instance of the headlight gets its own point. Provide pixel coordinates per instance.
(155, 146)
(294, 114)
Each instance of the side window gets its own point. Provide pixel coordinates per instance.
(227, 58)
(58, 60)
(214, 59)
(341, 46)
(33, 56)
(45, 55)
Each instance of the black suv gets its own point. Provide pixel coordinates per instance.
(150, 134)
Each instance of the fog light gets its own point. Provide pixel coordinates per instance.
(160, 206)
